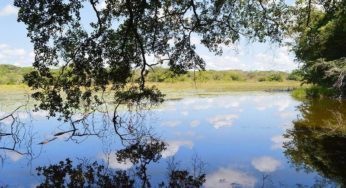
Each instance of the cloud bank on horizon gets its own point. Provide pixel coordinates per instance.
(16, 49)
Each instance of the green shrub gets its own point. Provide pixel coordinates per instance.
(276, 77)
(314, 92)
(299, 94)
(320, 92)
(216, 77)
(295, 75)
(262, 79)
(236, 77)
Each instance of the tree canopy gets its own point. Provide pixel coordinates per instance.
(128, 35)
(321, 42)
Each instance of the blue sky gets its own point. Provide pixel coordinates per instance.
(16, 49)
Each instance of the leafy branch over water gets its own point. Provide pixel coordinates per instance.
(122, 37)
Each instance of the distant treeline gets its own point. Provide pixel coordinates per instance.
(10, 74)
(165, 75)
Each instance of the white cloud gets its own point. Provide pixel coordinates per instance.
(283, 104)
(231, 105)
(222, 120)
(114, 163)
(15, 56)
(172, 123)
(287, 126)
(101, 5)
(234, 57)
(266, 164)
(189, 101)
(278, 59)
(7, 121)
(223, 62)
(195, 123)
(286, 115)
(173, 147)
(266, 102)
(14, 156)
(203, 106)
(229, 178)
(40, 114)
(8, 10)
(22, 115)
(185, 113)
(76, 117)
(33, 185)
(207, 103)
(195, 40)
(278, 141)
(170, 106)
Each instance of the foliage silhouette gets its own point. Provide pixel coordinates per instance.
(320, 42)
(65, 174)
(142, 153)
(122, 37)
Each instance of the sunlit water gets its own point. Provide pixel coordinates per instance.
(238, 136)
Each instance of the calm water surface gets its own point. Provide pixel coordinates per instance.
(253, 139)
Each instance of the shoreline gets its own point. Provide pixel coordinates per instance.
(210, 86)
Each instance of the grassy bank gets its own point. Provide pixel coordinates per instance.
(182, 89)
(313, 92)
(220, 86)
(214, 86)
(14, 88)
(11, 78)
(12, 96)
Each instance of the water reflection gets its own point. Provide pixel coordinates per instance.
(220, 121)
(318, 139)
(230, 178)
(85, 174)
(16, 138)
(266, 164)
(239, 137)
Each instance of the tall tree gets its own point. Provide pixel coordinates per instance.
(122, 37)
(321, 42)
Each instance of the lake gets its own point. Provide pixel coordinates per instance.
(239, 139)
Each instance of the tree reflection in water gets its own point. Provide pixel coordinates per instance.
(318, 139)
(82, 175)
(316, 144)
(139, 144)
(65, 174)
(16, 138)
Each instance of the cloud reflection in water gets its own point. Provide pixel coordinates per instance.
(225, 177)
(266, 164)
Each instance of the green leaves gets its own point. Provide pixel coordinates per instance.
(320, 43)
(122, 37)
